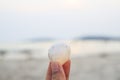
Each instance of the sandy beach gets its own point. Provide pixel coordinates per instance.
(90, 60)
(94, 67)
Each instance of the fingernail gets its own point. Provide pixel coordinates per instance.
(55, 67)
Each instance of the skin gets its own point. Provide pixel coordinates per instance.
(57, 71)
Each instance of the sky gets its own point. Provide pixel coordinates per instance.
(60, 19)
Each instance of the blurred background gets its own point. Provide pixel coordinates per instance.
(29, 27)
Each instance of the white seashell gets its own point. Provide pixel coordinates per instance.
(59, 53)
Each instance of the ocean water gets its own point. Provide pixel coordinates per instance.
(40, 49)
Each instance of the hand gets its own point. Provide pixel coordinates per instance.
(57, 71)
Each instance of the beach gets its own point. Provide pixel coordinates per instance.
(90, 60)
(97, 67)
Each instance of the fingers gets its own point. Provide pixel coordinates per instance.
(49, 73)
(57, 71)
(66, 68)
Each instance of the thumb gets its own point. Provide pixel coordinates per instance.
(57, 71)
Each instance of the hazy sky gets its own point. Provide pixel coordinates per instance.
(24, 19)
